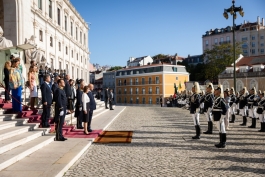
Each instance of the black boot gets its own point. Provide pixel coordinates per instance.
(233, 118)
(263, 130)
(253, 123)
(210, 128)
(223, 140)
(244, 121)
(198, 132)
(261, 127)
(219, 144)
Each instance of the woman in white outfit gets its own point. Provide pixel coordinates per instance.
(86, 102)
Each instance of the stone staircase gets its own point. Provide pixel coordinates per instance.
(28, 150)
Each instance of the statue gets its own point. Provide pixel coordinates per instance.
(4, 43)
(35, 54)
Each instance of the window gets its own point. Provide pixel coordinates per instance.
(81, 37)
(81, 73)
(136, 81)
(52, 64)
(261, 44)
(215, 41)
(253, 44)
(73, 71)
(222, 40)
(136, 91)
(59, 16)
(157, 90)
(77, 73)
(66, 50)
(50, 8)
(157, 80)
(143, 81)
(77, 56)
(60, 65)
(206, 43)
(245, 51)
(125, 100)
(81, 59)
(253, 51)
(84, 39)
(71, 28)
(143, 90)
(125, 91)
(131, 90)
(253, 83)
(40, 4)
(76, 32)
(59, 46)
(72, 53)
(41, 36)
(261, 50)
(130, 81)
(65, 23)
(225, 85)
(66, 68)
(150, 80)
(150, 100)
(239, 85)
(227, 39)
(177, 78)
(143, 100)
(137, 100)
(51, 41)
(131, 100)
(150, 90)
(261, 37)
(253, 37)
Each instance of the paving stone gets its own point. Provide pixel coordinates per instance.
(162, 146)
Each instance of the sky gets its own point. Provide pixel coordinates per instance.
(120, 29)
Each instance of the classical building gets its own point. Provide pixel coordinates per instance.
(250, 73)
(55, 27)
(145, 84)
(252, 35)
(140, 61)
(194, 59)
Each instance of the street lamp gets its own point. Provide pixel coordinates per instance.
(233, 10)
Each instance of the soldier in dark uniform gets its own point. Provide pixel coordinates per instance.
(208, 100)
(194, 105)
(232, 105)
(41, 75)
(261, 112)
(202, 94)
(252, 101)
(60, 106)
(219, 114)
(242, 104)
(79, 104)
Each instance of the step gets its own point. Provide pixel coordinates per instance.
(13, 142)
(7, 124)
(6, 117)
(52, 160)
(10, 157)
(14, 131)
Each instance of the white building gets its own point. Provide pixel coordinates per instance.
(61, 33)
(139, 61)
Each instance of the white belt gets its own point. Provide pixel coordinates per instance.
(217, 110)
(260, 107)
(250, 102)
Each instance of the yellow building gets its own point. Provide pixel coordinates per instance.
(145, 84)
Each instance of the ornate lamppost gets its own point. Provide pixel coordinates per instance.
(233, 10)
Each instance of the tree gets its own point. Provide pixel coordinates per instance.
(114, 68)
(159, 56)
(219, 57)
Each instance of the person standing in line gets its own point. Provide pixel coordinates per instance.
(202, 94)
(111, 99)
(194, 105)
(46, 94)
(242, 105)
(86, 108)
(232, 105)
(227, 99)
(41, 75)
(219, 113)
(106, 94)
(92, 106)
(6, 81)
(161, 101)
(16, 83)
(60, 110)
(208, 100)
(72, 96)
(79, 104)
(252, 102)
(67, 90)
(261, 111)
(33, 83)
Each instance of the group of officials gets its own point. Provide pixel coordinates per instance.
(220, 107)
(66, 98)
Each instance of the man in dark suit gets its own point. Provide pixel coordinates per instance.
(92, 106)
(111, 98)
(67, 90)
(46, 94)
(60, 109)
(106, 93)
(79, 104)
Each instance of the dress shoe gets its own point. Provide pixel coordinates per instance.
(46, 126)
(111, 109)
(89, 130)
(59, 139)
(107, 108)
(86, 133)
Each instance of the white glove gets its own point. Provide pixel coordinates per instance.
(61, 113)
(255, 99)
(80, 109)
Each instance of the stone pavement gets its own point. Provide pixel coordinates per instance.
(162, 146)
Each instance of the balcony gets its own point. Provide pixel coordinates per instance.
(150, 92)
(242, 75)
(140, 83)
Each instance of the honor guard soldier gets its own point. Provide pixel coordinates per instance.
(232, 105)
(202, 102)
(219, 113)
(60, 109)
(194, 105)
(208, 105)
(261, 112)
(252, 101)
(242, 105)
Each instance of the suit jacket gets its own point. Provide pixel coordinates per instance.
(79, 102)
(111, 96)
(46, 93)
(106, 95)
(67, 89)
(60, 99)
(92, 101)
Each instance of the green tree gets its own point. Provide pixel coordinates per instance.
(219, 57)
(159, 56)
(114, 68)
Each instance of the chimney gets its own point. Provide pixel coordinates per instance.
(263, 22)
(258, 21)
(245, 22)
